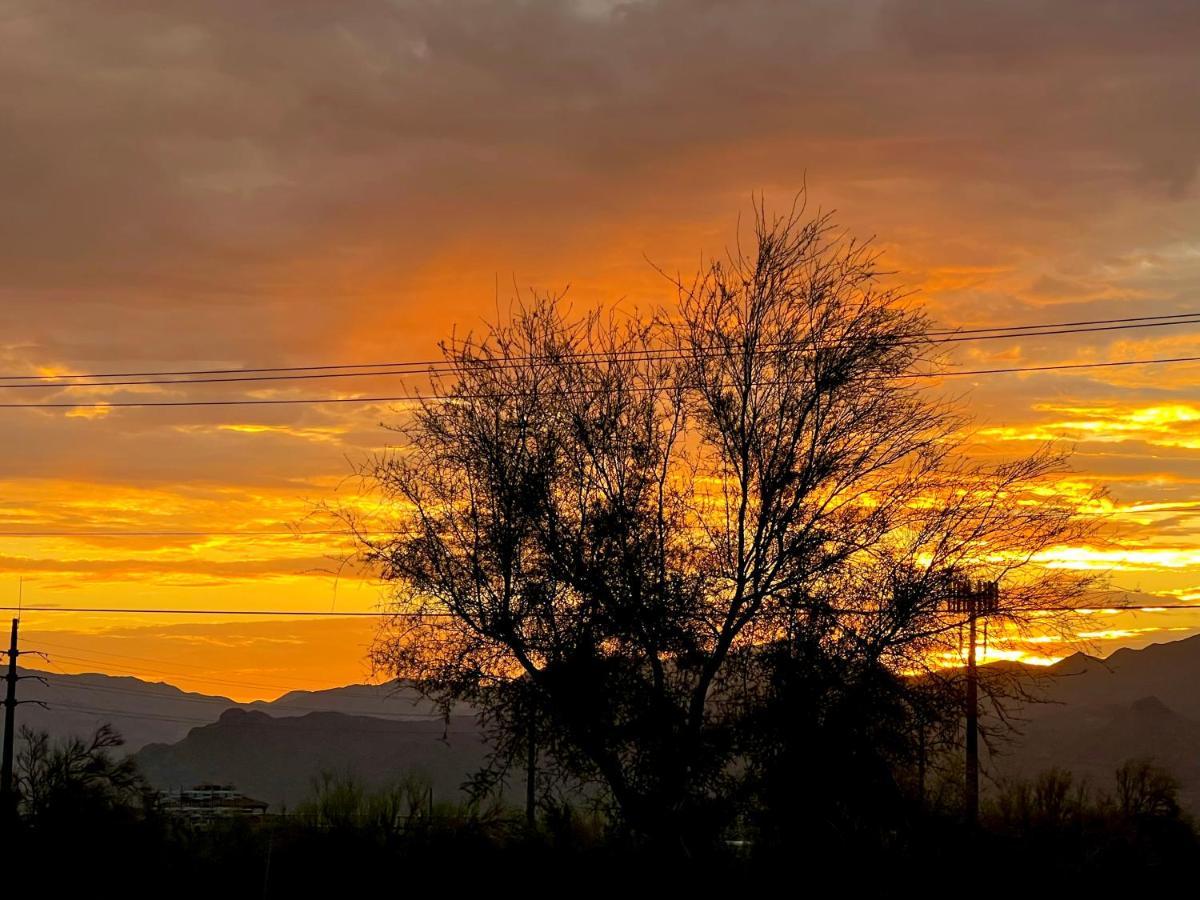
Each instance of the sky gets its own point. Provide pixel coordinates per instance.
(202, 184)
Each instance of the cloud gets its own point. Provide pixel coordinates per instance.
(215, 184)
(206, 149)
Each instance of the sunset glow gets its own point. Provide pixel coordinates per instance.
(312, 211)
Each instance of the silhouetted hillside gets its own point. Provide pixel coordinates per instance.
(142, 711)
(146, 712)
(1098, 713)
(275, 759)
(1168, 671)
(1092, 741)
(394, 700)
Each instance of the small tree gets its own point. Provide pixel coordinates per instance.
(75, 779)
(668, 538)
(1145, 790)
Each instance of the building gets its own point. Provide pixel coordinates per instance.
(207, 803)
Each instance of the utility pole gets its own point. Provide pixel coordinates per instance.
(7, 794)
(972, 741)
(975, 599)
(10, 710)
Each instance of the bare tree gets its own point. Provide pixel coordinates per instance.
(76, 778)
(641, 526)
(1146, 790)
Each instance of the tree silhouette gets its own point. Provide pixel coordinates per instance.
(1145, 789)
(693, 542)
(74, 780)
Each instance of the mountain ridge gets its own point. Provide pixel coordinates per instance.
(275, 759)
(146, 712)
(1095, 713)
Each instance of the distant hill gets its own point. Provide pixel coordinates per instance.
(1098, 713)
(146, 712)
(1169, 671)
(1092, 741)
(275, 759)
(395, 700)
(142, 711)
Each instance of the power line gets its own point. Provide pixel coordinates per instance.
(1078, 322)
(1167, 360)
(1195, 508)
(422, 364)
(400, 533)
(154, 717)
(402, 369)
(244, 370)
(163, 669)
(1148, 607)
(197, 672)
(184, 381)
(55, 680)
(953, 373)
(240, 402)
(157, 672)
(411, 369)
(438, 729)
(119, 655)
(209, 700)
(107, 653)
(103, 534)
(58, 682)
(227, 612)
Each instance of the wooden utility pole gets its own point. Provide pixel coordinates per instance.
(7, 793)
(10, 710)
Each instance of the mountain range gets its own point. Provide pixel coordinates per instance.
(1095, 713)
(146, 712)
(275, 759)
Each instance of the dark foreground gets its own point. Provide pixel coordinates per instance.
(1044, 844)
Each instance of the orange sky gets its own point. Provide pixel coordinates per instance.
(219, 184)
